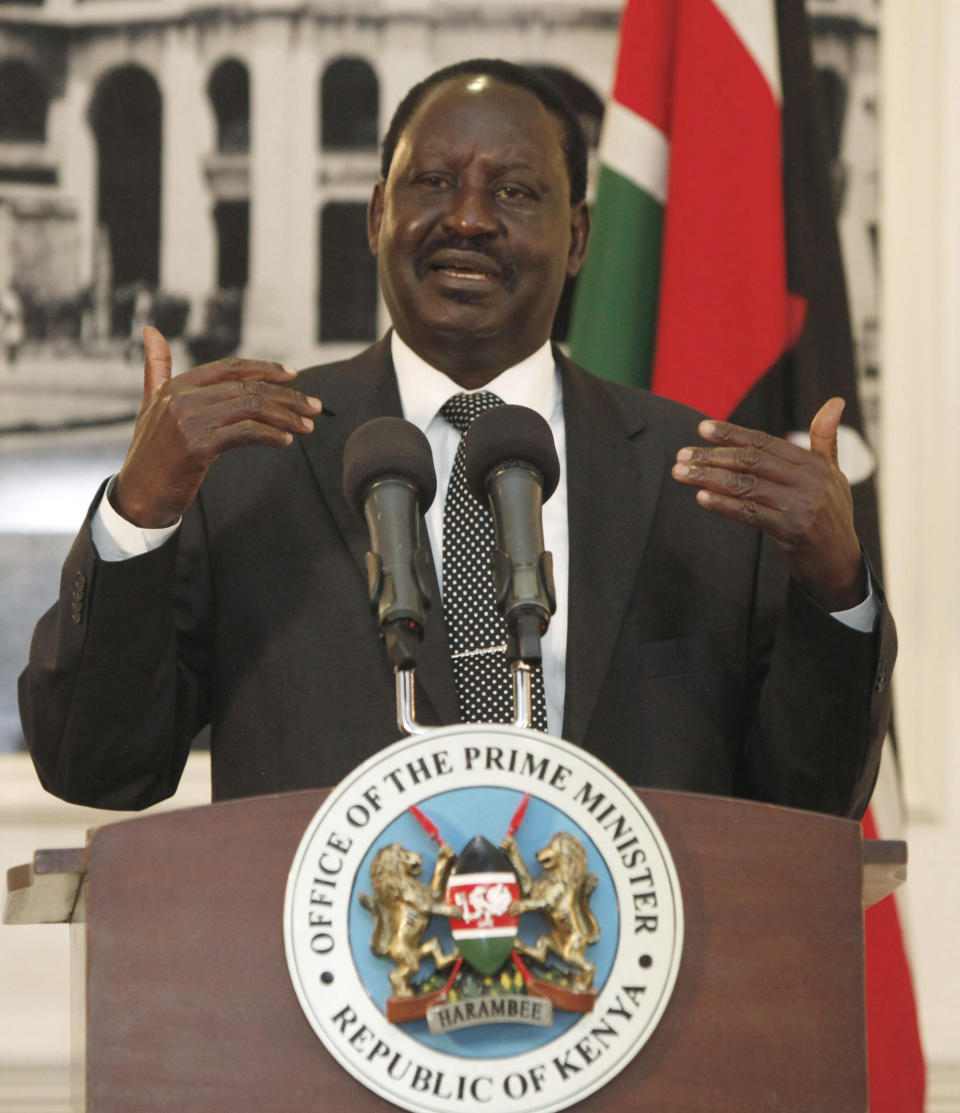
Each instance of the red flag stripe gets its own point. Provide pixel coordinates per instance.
(644, 81)
(897, 1070)
(725, 316)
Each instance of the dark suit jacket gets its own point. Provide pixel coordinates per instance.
(692, 663)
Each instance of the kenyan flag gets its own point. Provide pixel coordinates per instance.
(685, 288)
(714, 277)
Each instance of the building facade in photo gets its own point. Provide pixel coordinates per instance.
(221, 155)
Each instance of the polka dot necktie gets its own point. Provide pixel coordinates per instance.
(476, 629)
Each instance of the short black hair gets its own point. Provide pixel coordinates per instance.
(574, 140)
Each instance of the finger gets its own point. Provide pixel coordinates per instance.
(747, 511)
(735, 484)
(244, 393)
(238, 434)
(238, 369)
(156, 361)
(746, 459)
(257, 406)
(823, 430)
(726, 433)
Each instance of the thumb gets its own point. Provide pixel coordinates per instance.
(823, 429)
(156, 361)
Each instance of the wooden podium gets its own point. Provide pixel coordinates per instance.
(182, 1000)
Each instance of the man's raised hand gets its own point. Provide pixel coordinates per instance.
(186, 421)
(797, 496)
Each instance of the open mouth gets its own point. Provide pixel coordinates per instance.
(470, 266)
(465, 269)
(463, 272)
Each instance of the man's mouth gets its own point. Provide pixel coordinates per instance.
(467, 265)
(467, 268)
(459, 272)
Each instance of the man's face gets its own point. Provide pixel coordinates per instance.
(473, 230)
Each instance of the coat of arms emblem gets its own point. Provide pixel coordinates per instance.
(483, 892)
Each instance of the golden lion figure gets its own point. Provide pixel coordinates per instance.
(562, 897)
(402, 907)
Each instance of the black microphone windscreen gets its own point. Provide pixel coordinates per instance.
(387, 446)
(506, 433)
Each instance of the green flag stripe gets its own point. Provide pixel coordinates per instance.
(614, 316)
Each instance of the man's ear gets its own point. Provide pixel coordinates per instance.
(579, 235)
(374, 216)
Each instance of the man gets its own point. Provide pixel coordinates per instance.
(701, 648)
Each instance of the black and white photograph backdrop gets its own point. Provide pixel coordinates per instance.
(207, 170)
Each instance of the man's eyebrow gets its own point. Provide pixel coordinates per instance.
(520, 164)
(513, 165)
(428, 158)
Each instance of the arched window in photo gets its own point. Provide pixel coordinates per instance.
(126, 116)
(349, 106)
(348, 274)
(23, 103)
(229, 92)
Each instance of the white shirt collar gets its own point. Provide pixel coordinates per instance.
(424, 389)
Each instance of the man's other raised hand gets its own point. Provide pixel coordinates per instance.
(797, 496)
(186, 421)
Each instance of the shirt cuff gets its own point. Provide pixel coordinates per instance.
(863, 616)
(115, 538)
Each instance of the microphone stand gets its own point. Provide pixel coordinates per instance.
(407, 702)
(406, 688)
(402, 640)
(522, 675)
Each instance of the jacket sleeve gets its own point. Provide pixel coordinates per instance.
(114, 691)
(823, 710)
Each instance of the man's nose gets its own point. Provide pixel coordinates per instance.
(471, 212)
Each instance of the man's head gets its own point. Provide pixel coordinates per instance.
(480, 216)
(574, 141)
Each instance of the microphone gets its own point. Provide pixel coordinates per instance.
(388, 477)
(511, 461)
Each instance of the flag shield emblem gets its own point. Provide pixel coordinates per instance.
(483, 886)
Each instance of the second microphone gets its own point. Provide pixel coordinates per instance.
(511, 462)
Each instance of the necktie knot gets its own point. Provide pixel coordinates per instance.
(461, 410)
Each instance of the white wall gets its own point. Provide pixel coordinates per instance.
(920, 155)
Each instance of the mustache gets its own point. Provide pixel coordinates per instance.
(506, 269)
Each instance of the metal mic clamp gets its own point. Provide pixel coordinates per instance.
(522, 674)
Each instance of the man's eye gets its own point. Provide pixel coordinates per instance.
(512, 193)
(433, 181)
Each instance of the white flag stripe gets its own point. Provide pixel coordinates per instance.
(482, 933)
(755, 22)
(459, 879)
(636, 149)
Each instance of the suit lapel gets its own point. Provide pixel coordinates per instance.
(362, 389)
(613, 482)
